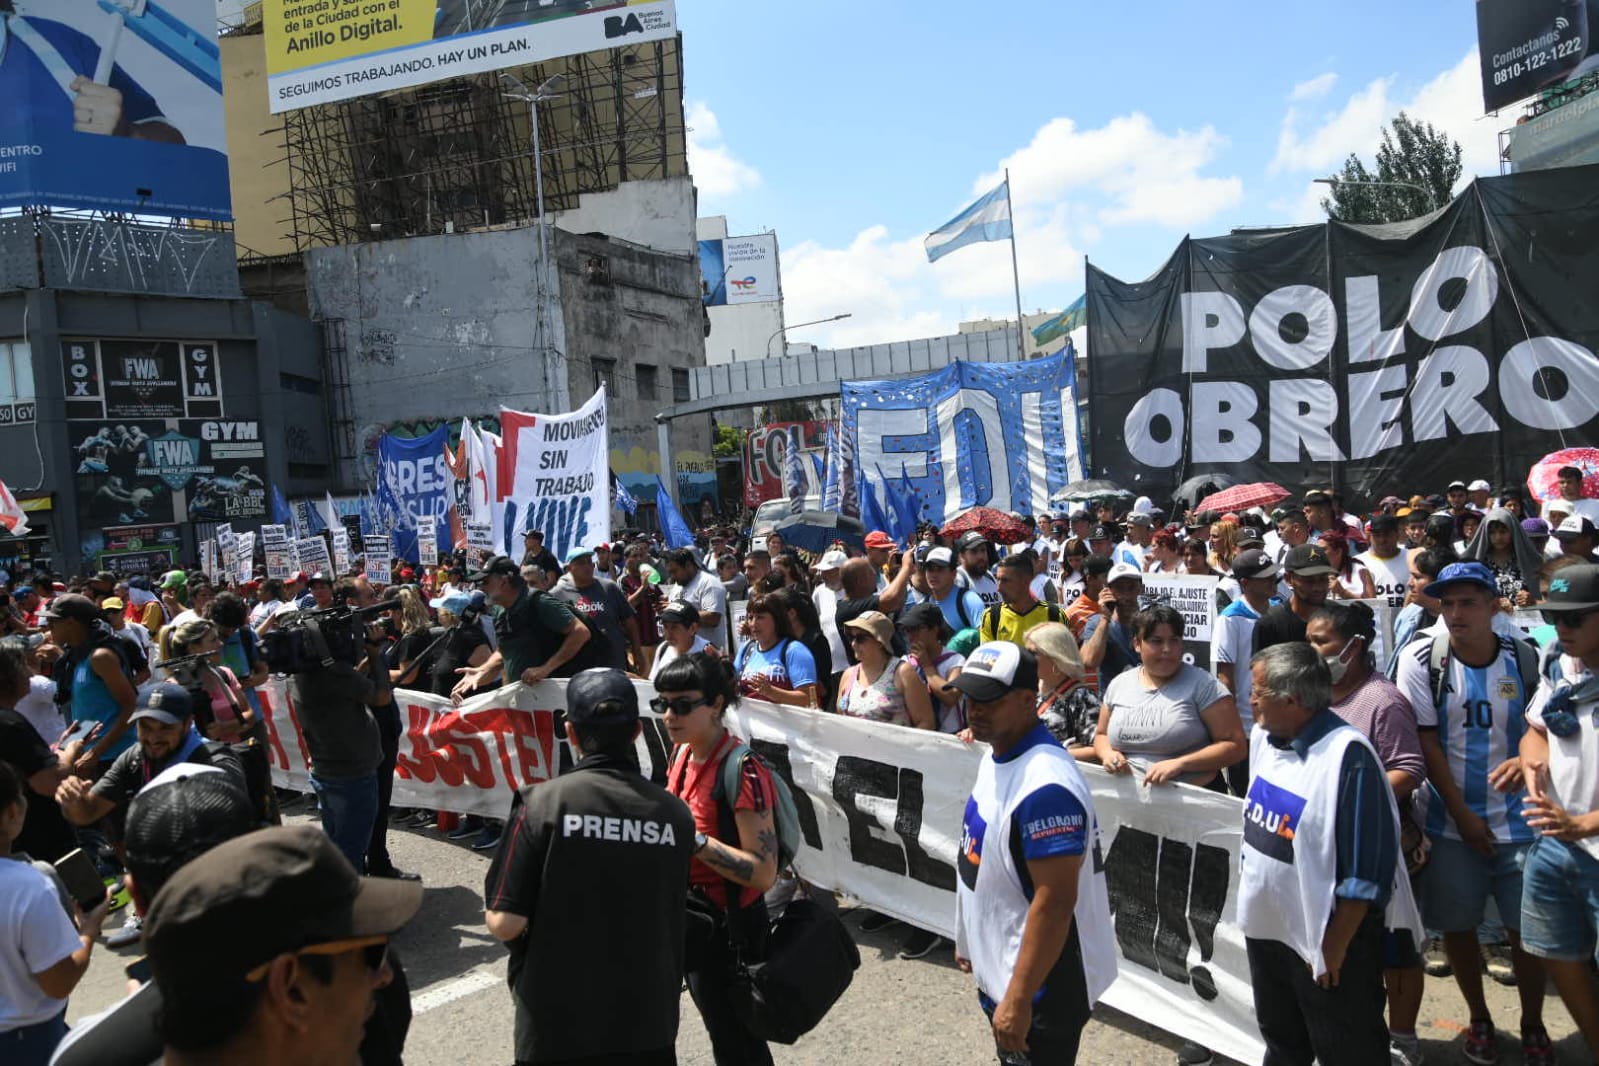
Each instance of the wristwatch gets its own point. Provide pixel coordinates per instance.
(700, 840)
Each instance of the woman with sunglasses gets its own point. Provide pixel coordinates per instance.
(882, 686)
(736, 860)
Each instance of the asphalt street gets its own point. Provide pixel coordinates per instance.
(922, 1011)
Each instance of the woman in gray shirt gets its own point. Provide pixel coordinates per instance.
(1175, 718)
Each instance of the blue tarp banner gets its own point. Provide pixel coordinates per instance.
(415, 485)
(1001, 435)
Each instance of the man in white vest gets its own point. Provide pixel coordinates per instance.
(1318, 868)
(1032, 913)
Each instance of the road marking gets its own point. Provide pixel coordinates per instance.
(450, 991)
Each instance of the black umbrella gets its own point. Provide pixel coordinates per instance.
(1197, 488)
(815, 531)
(1092, 489)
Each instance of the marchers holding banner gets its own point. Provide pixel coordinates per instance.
(880, 816)
(1376, 359)
(319, 51)
(1001, 435)
(113, 107)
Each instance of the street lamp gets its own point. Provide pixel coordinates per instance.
(1432, 205)
(797, 325)
(516, 90)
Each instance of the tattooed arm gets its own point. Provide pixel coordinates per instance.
(754, 862)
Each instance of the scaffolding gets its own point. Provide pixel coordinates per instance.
(457, 155)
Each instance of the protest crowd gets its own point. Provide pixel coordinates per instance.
(1430, 812)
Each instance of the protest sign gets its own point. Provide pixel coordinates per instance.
(277, 548)
(479, 543)
(312, 555)
(555, 477)
(341, 549)
(427, 546)
(1195, 598)
(244, 556)
(379, 560)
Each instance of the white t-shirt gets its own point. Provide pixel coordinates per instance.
(1573, 761)
(1390, 576)
(35, 934)
(826, 600)
(666, 653)
(1232, 640)
(707, 596)
(984, 584)
(39, 708)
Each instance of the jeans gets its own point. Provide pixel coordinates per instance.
(349, 806)
(712, 988)
(377, 849)
(1301, 1021)
(32, 1045)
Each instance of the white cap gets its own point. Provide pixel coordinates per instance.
(1121, 570)
(1575, 526)
(832, 560)
(939, 557)
(1479, 486)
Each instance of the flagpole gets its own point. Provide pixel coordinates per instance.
(1015, 274)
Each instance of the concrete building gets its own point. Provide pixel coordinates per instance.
(741, 331)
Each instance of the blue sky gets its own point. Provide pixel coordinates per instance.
(854, 128)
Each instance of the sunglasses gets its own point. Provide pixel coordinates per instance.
(374, 950)
(1569, 619)
(860, 638)
(682, 706)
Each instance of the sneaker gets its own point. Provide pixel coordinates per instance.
(875, 921)
(132, 929)
(488, 839)
(469, 826)
(1192, 1054)
(1482, 1044)
(919, 944)
(1405, 1051)
(1496, 960)
(1434, 961)
(1536, 1050)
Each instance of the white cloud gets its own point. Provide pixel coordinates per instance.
(1315, 88)
(717, 172)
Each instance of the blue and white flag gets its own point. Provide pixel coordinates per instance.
(987, 219)
(677, 532)
(624, 499)
(832, 487)
(794, 482)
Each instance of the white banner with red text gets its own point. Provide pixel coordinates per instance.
(880, 809)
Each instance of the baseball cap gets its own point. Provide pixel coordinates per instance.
(1572, 526)
(1101, 532)
(266, 893)
(1316, 496)
(678, 611)
(502, 565)
(876, 625)
(1248, 538)
(174, 579)
(1479, 486)
(995, 668)
(1079, 515)
(1573, 588)
(1453, 485)
(454, 602)
(830, 561)
(539, 533)
(1121, 570)
(321, 577)
(71, 606)
(185, 810)
(1254, 563)
(939, 557)
(1140, 518)
(1386, 500)
(163, 701)
(972, 539)
(925, 616)
(601, 695)
(1308, 560)
(1472, 573)
(1384, 523)
(878, 539)
(577, 553)
(112, 603)
(22, 590)
(1535, 527)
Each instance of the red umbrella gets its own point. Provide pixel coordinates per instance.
(1243, 497)
(997, 526)
(1543, 479)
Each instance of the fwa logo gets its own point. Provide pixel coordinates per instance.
(174, 458)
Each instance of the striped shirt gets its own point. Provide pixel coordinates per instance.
(1479, 722)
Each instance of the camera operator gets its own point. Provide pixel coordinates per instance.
(539, 635)
(335, 697)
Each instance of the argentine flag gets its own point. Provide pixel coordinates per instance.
(988, 219)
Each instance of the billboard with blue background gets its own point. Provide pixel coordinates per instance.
(113, 105)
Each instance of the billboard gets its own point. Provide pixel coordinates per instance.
(319, 51)
(739, 270)
(161, 471)
(113, 105)
(1525, 46)
(141, 379)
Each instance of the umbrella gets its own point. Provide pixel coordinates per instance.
(997, 526)
(1243, 497)
(815, 531)
(1092, 489)
(1543, 479)
(1196, 488)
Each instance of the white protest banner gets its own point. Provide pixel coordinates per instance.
(312, 553)
(379, 560)
(227, 551)
(880, 811)
(427, 545)
(341, 549)
(479, 543)
(274, 536)
(276, 548)
(555, 477)
(736, 612)
(244, 565)
(208, 558)
(1195, 598)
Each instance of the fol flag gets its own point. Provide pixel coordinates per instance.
(987, 219)
(12, 517)
(678, 535)
(1063, 323)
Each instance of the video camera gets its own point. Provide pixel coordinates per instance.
(301, 641)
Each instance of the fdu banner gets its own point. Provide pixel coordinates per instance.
(415, 487)
(114, 106)
(1001, 435)
(554, 476)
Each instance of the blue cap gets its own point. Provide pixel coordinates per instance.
(165, 702)
(577, 553)
(1472, 573)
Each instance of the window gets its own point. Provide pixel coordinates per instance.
(644, 374)
(300, 383)
(605, 375)
(17, 402)
(680, 392)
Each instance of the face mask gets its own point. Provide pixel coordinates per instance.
(1338, 665)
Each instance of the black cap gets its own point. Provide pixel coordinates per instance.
(678, 611)
(1308, 560)
(503, 565)
(71, 606)
(1573, 588)
(1384, 523)
(321, 577)
(184, 812)
(972, 539)
(925, 616)
(253, 898)
(1254, 563)
(1101, 532)
(601, 695)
